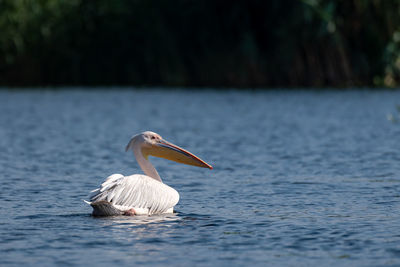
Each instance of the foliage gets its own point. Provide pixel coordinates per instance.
(237, 43)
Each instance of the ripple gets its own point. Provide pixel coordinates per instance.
(300, 178)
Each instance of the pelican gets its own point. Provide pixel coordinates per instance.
(139, 194)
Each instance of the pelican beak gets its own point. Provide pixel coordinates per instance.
(167, 150)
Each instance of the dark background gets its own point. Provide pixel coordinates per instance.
(211, 43)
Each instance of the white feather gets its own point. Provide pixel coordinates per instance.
(140, 192)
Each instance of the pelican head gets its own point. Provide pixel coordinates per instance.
(152, 144)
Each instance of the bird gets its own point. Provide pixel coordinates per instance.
(140, 194)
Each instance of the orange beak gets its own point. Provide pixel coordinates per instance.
(167, 150)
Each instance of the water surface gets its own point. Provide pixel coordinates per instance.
(300, 178)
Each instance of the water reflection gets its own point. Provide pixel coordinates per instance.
(157, 229)
(138, 220)
(140, 235)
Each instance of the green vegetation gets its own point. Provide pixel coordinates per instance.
(249, 43)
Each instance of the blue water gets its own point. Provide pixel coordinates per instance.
(300, 178)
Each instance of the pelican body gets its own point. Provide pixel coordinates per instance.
(139, 194)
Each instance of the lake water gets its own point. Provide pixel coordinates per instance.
(300, 178)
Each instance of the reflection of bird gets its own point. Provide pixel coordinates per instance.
(142, 194)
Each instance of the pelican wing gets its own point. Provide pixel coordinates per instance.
(136, 191)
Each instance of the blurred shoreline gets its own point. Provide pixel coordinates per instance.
(218, 44)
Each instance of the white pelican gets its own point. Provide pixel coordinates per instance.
(139, 194)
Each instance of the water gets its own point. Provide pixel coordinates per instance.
(300, 178)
